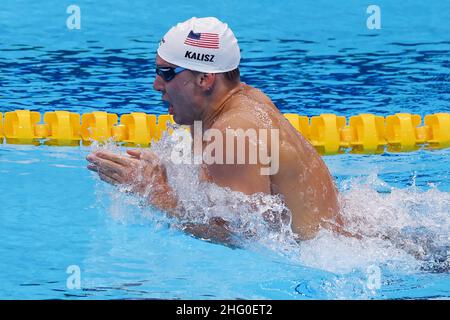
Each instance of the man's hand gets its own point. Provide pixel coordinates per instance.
(113, 168)
(142, 171)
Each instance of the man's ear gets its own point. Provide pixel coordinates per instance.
(206, 81)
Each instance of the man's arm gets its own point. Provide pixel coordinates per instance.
(240, 168)
(241, 177)
(148, 178)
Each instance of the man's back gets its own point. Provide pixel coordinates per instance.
(302, 178)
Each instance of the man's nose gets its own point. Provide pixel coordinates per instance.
(158, 83)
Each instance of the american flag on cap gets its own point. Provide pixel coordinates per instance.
(203, 40)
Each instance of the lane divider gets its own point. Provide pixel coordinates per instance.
(328, 133)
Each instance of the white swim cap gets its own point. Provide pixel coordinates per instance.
(201, 44)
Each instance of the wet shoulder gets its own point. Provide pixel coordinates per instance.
(257, 95)
(251, 106)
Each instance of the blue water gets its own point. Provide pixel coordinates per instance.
(310, 57)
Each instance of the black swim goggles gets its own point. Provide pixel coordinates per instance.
(168, 73)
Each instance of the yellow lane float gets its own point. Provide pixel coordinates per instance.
(328, 133)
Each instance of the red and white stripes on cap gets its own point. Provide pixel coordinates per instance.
(203, 40)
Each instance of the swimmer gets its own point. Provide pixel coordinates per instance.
(197, 73)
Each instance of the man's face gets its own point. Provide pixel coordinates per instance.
(179, 93)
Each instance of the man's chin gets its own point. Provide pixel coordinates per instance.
(181, 121)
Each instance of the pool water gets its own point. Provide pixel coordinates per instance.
(310, 58)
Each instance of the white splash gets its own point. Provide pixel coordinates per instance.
(400, 229)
